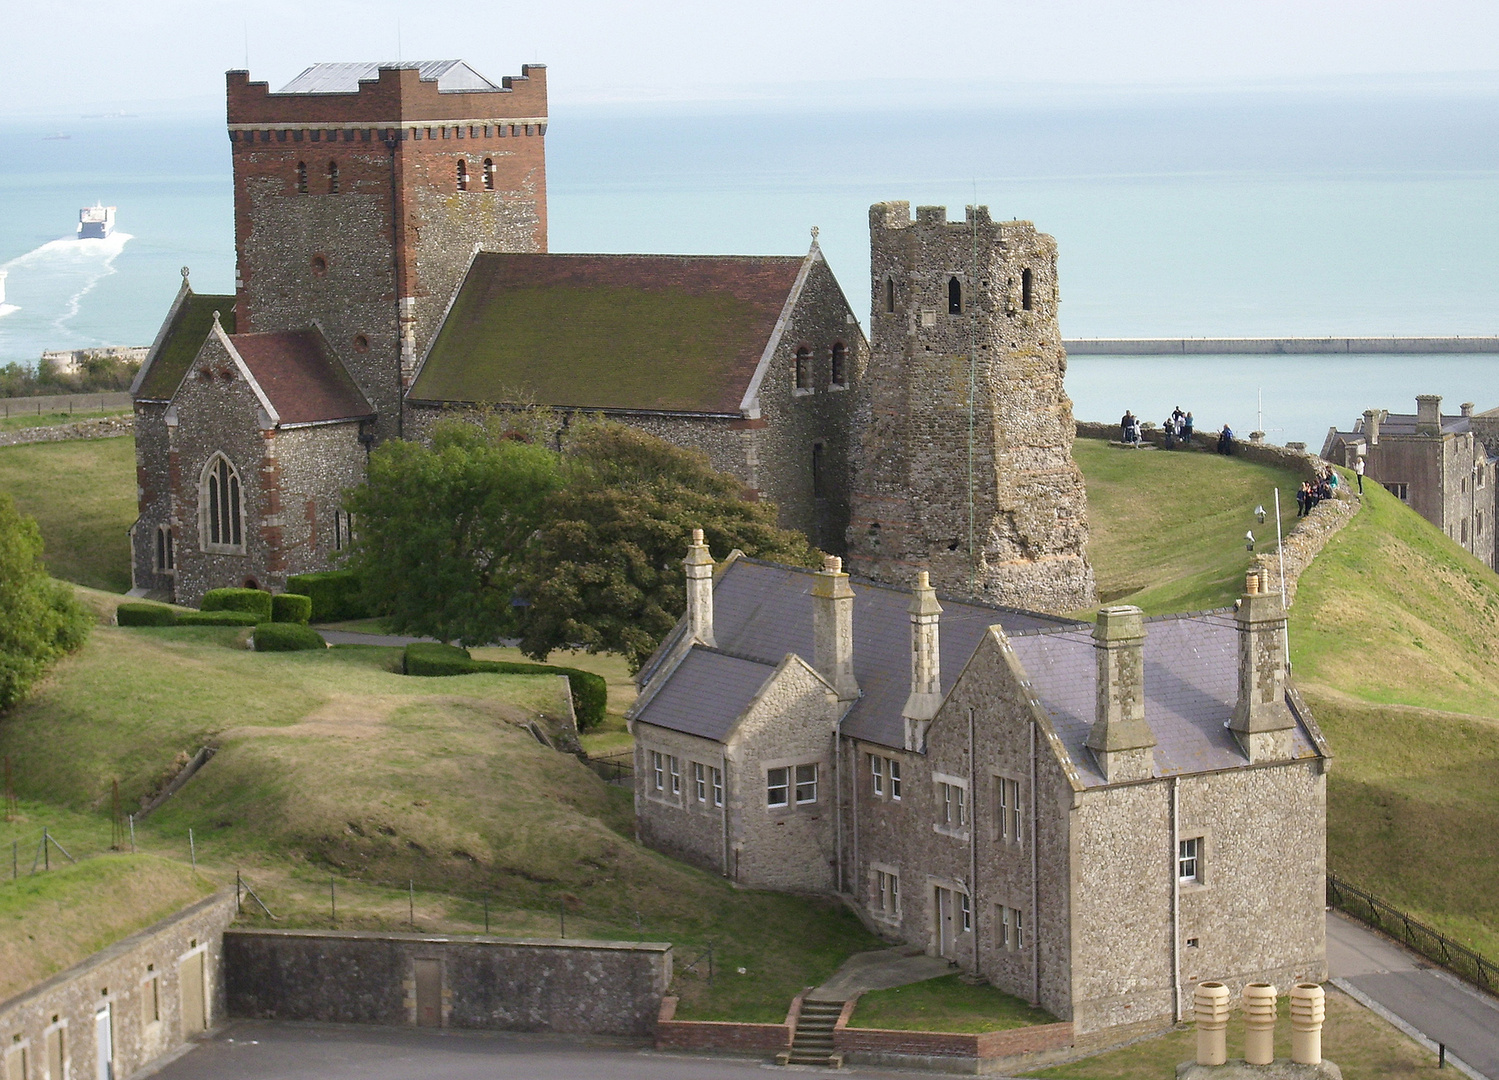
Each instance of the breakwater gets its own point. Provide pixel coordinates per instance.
(1284, 346)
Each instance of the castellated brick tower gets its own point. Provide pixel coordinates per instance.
(966, 466)
(362, 190)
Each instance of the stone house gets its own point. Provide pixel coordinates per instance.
(1443, 467)
(1092, 817)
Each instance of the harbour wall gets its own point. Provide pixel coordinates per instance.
(1283, 346)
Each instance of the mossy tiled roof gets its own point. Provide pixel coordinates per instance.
(654, 332)
(189, 329)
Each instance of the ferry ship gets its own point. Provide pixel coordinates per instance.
(96, 222)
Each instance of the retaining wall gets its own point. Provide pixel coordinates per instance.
(140, 982)
(356, 977)
(104, 427)
(761, 1040)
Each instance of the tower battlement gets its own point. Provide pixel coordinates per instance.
(966, 468)
(396, 95)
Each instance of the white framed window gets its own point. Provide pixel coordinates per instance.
(952, 804)
(700, 782)
(1189, 860)
(658, 770)
(886, 893)
(877, 773)
(1003, 940)
(674, 769)
(1007, 815)
(221, 508)
(806, 784)
(965, 913)
(1019, 929)
(1009, 935)
(894, 767)
(777, 787)
(717, 777)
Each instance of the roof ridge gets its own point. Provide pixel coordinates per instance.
(732, 655)
(630, 255)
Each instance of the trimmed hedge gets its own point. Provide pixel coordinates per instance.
(216, 618)
(291, 608)
(336, 595)
(287, 637)
(254, 601)
(145, 615)
(590, 692)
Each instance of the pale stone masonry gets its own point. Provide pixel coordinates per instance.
(1092, 817)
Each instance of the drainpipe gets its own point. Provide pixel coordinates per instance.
(838, 802)
(1176, 902)
(1035, 900)
(973, 841)
(855, 811)
(723, 772)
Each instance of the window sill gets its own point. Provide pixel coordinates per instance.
(797, 392)
(956, 834)
(222, 549)
(835, 388)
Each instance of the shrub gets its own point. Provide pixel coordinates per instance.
(40, 619)
(254, 601)
(287, 637)
(144, 615)
(216, 618)
(335, 594)
(291, 608)
(590, 693)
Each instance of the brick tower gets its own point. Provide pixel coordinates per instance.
(362, 190)
(966, 463)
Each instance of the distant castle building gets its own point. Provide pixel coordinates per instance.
(390, 228)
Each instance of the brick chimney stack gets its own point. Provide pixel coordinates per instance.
(1428, 414)
(833, 628)
(926, 668)
(699, 567)
(1121, 739)
(1262, 721)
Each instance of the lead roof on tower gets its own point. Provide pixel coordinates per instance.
(451, 76)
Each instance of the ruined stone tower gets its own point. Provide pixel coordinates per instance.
(362, 190)
(965, 467)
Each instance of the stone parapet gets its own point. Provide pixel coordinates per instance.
(1303, 543)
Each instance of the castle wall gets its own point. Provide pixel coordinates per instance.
(1016, 534)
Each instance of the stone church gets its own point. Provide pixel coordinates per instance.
(392, 268)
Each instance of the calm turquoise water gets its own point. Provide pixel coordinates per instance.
(1269, 215)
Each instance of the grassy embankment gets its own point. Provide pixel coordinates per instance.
(333, 765)
(945, 1003)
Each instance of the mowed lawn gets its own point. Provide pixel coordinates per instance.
(1167, 527)
(82, 495)
(333, 771)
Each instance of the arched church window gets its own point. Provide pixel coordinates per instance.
(489, 174)
(221, 507)
(463, 176)
(889, 295)
(332, 178)
(165, 557)
(954, 296)
(840, 364)
(301, 178)
(1027, 290)
(804, 368)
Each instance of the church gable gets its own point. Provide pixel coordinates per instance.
(649, 332)
(182, 334)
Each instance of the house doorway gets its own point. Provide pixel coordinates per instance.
(946, 927)
(194, 1014)
(105, 1045)
(429, 993)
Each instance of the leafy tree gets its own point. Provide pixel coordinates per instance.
(40, 619)
(605, 569)
(439, 528)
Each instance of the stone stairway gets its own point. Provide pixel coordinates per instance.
(812, 1042)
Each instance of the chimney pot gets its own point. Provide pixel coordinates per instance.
(1467, 408)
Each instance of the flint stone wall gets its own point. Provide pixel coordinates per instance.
(105, 427)
(354, 977)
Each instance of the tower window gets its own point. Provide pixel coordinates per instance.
(1027, 290)
(463, 176)
(804, 368)
(489, 174)
(219, 502)
(165, 557)
(840, 364)
(332, 178)
(889, 295)
(301, 178)
(954, 296)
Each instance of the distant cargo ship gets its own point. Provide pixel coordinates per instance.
(96, 222)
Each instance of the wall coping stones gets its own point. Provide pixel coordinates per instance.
(455, 939)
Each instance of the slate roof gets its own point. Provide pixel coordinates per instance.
(1191, 685)
(707, 693)
(1403, 424)
(302, 377)
(189, 324)
(677, 333)
(451, 76)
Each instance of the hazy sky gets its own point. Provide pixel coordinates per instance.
(100, 55)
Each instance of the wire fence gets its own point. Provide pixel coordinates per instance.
(615, 768)
(1435, 946)
(68, 403)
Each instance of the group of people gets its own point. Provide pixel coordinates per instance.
(1311, 492)
(1178, 426)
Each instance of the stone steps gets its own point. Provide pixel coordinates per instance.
(812, 1042)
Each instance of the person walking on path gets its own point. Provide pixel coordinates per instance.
(1358, 471)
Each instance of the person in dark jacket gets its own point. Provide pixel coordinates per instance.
(1226, 440)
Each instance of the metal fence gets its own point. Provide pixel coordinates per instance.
(615, 768)
(68, 403)
(1436, 947)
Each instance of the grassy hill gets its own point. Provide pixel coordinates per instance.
(334, 766)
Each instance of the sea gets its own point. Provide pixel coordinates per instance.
(1258, 212)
